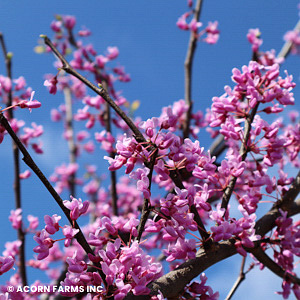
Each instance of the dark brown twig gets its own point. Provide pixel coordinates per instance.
(17, 183)
(31, 164)
(98, 90)
(188, 64)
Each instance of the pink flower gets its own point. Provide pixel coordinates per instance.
(181, 23)
(6, 263)
(52, 225)
(25, 174)
(45, 243)
(69, 21)
(76, 265)
(113, 52)
(76, 207)
(51, 85)
(16, 218)
(253, 38)
(33, 222)
(20, 83)
(69, 233)
(30, 104)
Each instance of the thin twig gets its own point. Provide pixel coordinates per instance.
(188, 64)
(31, 164)
(17, 183)
(285, 50)
(98, 90)
(239, 280)
(70, 138)
(218, 146)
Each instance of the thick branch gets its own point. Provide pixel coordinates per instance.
(31, 164)
(173, 282)
(287, 203)
(188, 64)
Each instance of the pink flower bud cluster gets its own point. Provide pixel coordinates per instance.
(210, 34)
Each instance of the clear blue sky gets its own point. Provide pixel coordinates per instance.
(152, 49)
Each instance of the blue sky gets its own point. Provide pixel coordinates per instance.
(152, 49)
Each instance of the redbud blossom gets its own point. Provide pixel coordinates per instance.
(6, 263)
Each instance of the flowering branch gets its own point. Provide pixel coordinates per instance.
(138, 135)
(284, 52)
(243, 152)
(262, 257)
(188, 71)
(98, 90)
(17, 183)
(29, 161)
(172, 283)
(113, 175)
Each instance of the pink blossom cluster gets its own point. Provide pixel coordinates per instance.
(209, 35)
(16, 91)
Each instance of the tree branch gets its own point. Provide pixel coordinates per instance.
(188, 64)
(239, 280)
(172, 283)
(98, 90)
(70, 138)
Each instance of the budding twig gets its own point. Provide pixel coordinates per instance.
(188, 64)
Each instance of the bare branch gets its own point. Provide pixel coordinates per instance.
(70, 138)
(188, 64)
(239, 280)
